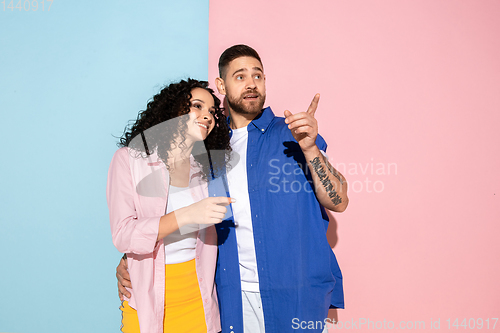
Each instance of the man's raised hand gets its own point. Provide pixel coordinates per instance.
(303, 125)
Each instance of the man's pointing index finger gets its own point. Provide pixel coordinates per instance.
(314, 105)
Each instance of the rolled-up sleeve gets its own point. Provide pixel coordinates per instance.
(131, 233)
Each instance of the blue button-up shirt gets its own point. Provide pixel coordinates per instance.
(299, 277)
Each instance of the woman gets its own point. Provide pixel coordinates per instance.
(157, 192)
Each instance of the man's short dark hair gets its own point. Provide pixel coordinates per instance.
(234, 52)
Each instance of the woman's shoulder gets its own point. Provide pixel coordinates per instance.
(121, 152)
(120, 156)
(132, 157)
(134, 154)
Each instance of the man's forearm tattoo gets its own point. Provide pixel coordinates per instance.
(325, 181)
(333, 171)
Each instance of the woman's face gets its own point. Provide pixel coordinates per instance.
(201, 119)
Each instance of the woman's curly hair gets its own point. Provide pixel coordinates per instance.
(165, 120)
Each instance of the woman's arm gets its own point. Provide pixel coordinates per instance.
(206, 211)
(130, 233)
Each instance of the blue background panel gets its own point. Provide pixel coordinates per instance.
(70, 80)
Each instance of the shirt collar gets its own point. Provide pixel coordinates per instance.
(261, 122)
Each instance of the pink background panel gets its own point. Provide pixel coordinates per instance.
(410, 108)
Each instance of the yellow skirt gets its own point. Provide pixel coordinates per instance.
(183, 305)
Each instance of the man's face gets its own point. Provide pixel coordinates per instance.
(244, 85)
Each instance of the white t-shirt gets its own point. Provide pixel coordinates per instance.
(238, 189)
(179, 247)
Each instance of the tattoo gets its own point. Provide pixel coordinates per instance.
(325, 181)
(333, 171)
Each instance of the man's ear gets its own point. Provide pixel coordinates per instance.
(221, 87)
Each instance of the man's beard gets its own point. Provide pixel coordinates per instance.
(237, 105)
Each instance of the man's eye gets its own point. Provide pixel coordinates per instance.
(239, 77)
(257, 77)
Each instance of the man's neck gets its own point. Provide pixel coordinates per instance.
(238, 120)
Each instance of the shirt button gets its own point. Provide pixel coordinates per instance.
(198, 257)
(230, 327)
(206, 300)
(262, 130)
(201, 279)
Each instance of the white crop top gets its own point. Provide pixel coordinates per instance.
(179, 247)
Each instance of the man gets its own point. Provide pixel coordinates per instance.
(275, 268)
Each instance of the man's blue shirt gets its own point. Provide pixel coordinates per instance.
(299, 277)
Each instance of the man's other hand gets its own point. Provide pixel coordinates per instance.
(123, 279)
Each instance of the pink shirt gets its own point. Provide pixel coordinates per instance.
(137, 197)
